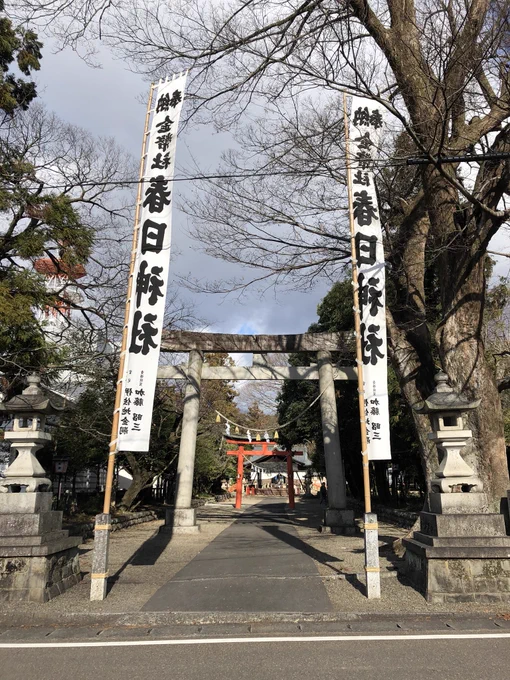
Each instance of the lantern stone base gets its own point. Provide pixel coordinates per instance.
(458, 503)
(38, 560)
(460, 556)
(340, 521)
(38, 579)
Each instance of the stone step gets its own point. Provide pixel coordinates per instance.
(33, 540)
(453, 552)
(30, 524)
(462, 541)
(433, 524)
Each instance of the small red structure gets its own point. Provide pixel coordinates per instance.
(57, 267)
(267, 448)
(58, 275)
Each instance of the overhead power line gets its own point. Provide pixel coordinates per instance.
(459, 159)
(384, 163)
(198, 178)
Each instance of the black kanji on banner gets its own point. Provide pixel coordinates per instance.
(142, 336)
(153, 236)
(149, 282)
(157, 195)
(364, 142)
(163, 141)
(365, 249)
(371, 342)
(165, 125)
(361, 177)
(363, 160)
(166, 102)
(376, 119)
(161, 162)
(363, 117)
(369, 294)
(363, 208)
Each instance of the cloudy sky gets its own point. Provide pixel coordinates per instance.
(111, 101)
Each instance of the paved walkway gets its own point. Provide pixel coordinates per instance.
(257, 564)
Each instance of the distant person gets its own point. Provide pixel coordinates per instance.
(323, 494)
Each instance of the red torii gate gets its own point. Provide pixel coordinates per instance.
(240, 452)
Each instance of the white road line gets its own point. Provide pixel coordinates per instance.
(242, 640)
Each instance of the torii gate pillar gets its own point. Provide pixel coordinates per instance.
(183, 517)
(337, 517)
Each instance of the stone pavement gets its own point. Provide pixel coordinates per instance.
(254, 565)
(245, 570)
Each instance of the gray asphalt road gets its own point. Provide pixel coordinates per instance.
(397, 659)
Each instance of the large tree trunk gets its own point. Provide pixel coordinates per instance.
(460, 340)
(141, 480)
(416, 382)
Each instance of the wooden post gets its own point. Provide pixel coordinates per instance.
(370, 533)
(240, 470)
(99, 575)
(290, 480)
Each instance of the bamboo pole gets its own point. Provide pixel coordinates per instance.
(370, 519)
(102, 527)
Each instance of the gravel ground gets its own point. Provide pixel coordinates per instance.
(141, 561)
(340, 561)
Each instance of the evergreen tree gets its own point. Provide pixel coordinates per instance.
(21, 47)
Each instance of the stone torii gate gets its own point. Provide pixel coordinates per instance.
(183, 517)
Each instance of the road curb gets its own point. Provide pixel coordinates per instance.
(155, 619)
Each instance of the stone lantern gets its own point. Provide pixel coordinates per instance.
(28, 435)
(462, 552)
(454, 475)
(38, 560)
(308, 484)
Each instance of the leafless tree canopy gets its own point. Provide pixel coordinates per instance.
(440, 68)
(82, 174)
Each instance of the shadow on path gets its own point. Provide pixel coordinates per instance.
(257, 564)
(296, 542)
(147, 554)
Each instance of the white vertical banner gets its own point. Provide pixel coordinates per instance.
(150, 277)
(366, 124)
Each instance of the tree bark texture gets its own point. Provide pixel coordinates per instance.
(141, 480)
